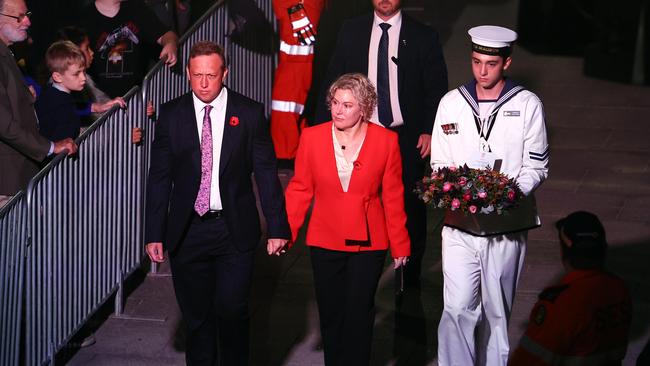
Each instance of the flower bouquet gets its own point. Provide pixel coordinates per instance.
(481, 202)
(469, 190)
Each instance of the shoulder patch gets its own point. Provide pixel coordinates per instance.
(552, 293)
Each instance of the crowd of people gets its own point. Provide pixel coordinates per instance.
(90, 66)
(383, 116)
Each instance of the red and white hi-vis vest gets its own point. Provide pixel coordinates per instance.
(297, 20)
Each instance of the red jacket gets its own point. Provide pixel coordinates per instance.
(371, 210)
(582, 321)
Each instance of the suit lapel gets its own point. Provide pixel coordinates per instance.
(364, 45)
(402, 51)
(190, 132)
(231, 131)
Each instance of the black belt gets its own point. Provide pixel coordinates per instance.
(211, 214)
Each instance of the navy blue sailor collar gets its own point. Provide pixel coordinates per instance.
(468, 91)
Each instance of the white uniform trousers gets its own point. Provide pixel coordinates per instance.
(480, 279)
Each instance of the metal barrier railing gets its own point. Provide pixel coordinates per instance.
(84, 223)
(248, 71)
(75, 235)
(13, 233)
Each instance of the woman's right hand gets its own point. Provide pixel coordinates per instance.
(400, 262)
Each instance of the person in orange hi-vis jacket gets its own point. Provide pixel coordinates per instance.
(297, 20)
(585, 318)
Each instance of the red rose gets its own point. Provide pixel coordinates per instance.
(357, 165)
(455, 203)
(234, 121)
(467, 197)
(511, 195)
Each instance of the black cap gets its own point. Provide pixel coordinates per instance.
(582, 226)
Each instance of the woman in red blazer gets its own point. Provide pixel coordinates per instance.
(352, 171)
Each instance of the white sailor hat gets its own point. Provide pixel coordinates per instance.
(492, 40)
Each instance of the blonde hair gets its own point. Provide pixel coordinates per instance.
(361, 88)
(60, 55)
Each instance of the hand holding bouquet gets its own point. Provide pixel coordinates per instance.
(469, 190)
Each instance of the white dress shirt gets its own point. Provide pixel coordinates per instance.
(217, 119)
(393, 46)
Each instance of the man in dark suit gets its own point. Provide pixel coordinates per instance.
(404, 60)
(21, 146)
(201, 205)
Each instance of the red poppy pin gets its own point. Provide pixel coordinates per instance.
(234, 121)
(357, 165)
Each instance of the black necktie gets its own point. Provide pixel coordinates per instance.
(383, 84)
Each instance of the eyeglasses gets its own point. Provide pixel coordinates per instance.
(20, 17)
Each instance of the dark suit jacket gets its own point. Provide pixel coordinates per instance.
(175, 174)
(21, 146)
(422, 72)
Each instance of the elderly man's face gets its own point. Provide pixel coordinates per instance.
(206, 74)
(385, 9)
(12, 30)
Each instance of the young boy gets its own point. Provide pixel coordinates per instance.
(92, 101)
(55, 108)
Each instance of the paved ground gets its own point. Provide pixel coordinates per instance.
(600, 158)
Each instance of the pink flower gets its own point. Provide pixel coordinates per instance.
(482, 194)
(455, 203)
(447, 187)
(462, 181)
(452, 168)
(472, 209)
(467, 197)
(511, 195)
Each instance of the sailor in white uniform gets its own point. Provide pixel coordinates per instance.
(491, 121)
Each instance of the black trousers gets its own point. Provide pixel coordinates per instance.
(413, 167)
(212, 283)
(346, 284)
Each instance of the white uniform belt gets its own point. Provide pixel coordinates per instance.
(286, 106)
(295, 49)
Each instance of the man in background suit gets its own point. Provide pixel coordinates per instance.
(22, 148)
(410, 74)
(201, 205)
